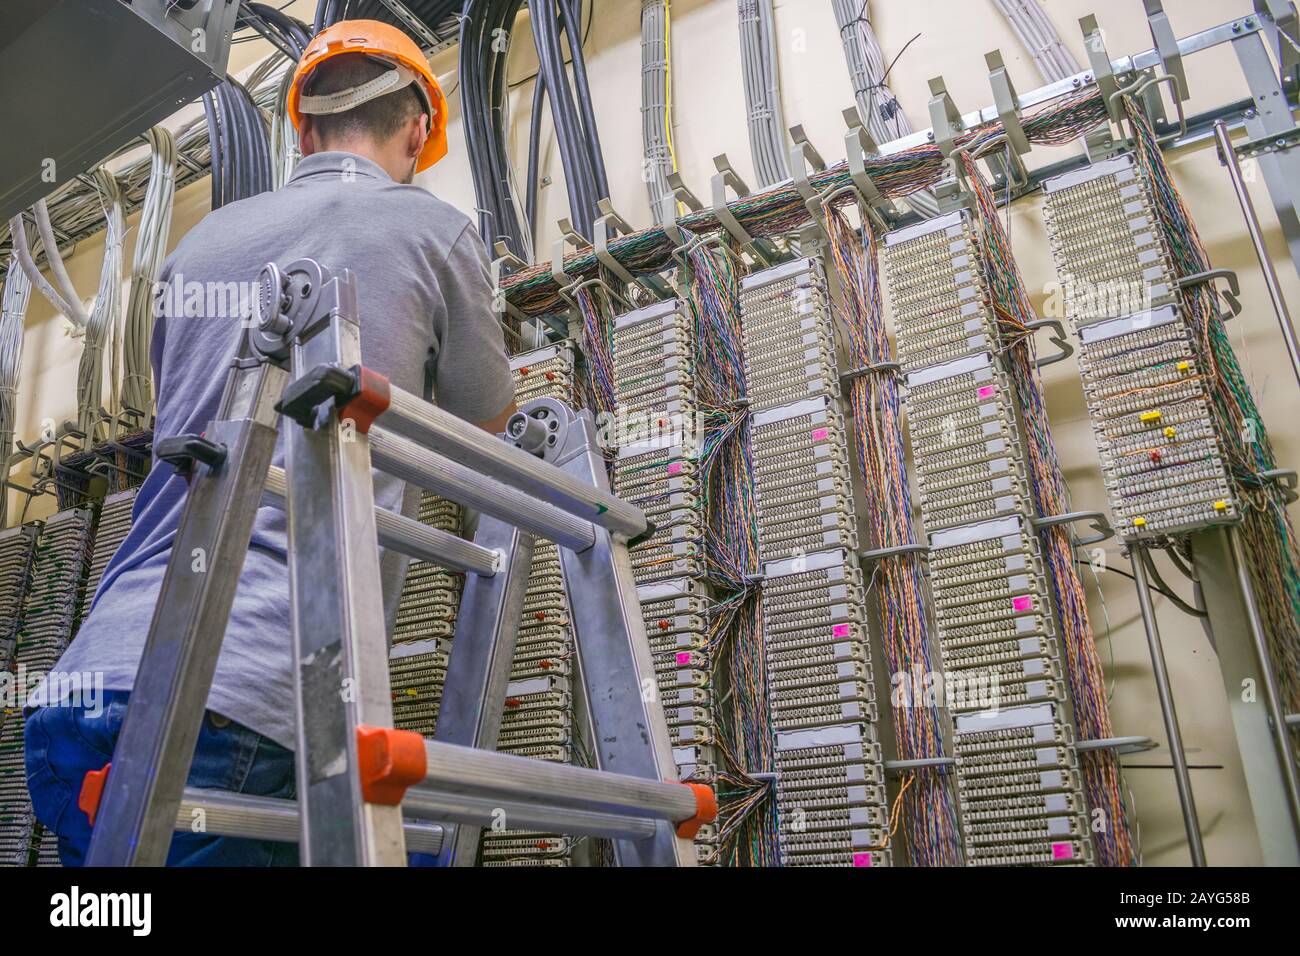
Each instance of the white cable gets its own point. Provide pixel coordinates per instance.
(55, 261)
(28, 266)
(106, 313)
(146, 264)
(13, 311)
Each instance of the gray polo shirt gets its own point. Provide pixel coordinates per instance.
(424, 296)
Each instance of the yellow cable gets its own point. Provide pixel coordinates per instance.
(668, 88)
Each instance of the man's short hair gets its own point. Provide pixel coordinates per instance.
(379, 119)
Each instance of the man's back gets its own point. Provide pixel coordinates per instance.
(423, 294)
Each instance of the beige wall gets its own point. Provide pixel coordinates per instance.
(954, 35)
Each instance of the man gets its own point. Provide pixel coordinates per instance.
(370, 115)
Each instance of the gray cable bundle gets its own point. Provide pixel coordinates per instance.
(1040, 38)
(13, 311)
(105, 316)
(879, 110)
(658, 161)
(762, 92)
(146, 264)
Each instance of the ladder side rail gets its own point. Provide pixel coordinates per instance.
(152, 757)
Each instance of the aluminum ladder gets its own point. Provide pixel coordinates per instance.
(366, 791)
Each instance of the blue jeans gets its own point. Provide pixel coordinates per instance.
(64, 742)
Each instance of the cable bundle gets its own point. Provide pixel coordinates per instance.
(928, 804)
(1267, 535)
(13, 310)
(1040, 38)
(777, 211)
(748, 827)
(656, 102)
(762, 92)
(238, 138)
(105, 317)
(877, 105)
(1113, 843)
(146, 264)
(483, 93)
(571, 107)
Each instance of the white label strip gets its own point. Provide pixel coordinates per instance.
(654, 311)
(1109, 329)
(980, 531)
(777, 273)
(936, 373)
(1007, 719)
(1087, 174)
(924, 228)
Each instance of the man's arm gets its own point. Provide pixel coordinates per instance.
(472, 377)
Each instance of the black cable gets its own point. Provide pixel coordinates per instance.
(574, 154)
(534, 155)
(571, 14)
(1145, 557)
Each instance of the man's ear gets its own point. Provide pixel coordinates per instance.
(307, 137)
(417, 135)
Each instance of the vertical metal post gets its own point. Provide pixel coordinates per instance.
(1277, 717)
(631, 733)
(1271, 116)
(474, 691)
(1163, 690)
(151, 761)
(340, 642)
(1217, 571)
(1280, 309)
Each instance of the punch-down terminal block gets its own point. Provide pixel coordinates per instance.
(830, 778)
(1017, 782)
(655, 469)
(1161, 455)
(538, 719)
(676, 622)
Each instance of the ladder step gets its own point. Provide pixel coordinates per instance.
(412, 538)
(269, 818)
(467, 771)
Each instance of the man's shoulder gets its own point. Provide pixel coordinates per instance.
(417, 208)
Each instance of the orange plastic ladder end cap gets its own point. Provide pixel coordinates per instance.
(390, 760)
(92, 790)
(706, 811)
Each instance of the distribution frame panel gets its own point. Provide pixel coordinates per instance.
(111, 529)
(1161, 457)
(655, 469)
(1017, 779)
(422, 633)
(539, 713)
(830, 778)
(59, 567)
(17, 546)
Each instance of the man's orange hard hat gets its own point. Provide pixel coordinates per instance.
(380, 41)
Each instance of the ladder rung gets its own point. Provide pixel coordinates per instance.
(269, 818)
(515, 815)
(439, 431)
(452, 769)
(412, 538)
(405, 459)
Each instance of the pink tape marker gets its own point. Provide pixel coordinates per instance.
(820, 434)
(1023, 603)
(683, 657)
(840, 630)
(987, 391)
(674, 467)
(862, 859)
(1062, 851)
